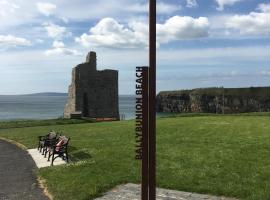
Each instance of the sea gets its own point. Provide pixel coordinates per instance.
(49, 106)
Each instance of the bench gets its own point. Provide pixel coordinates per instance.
(45, 141)
(59, 149)
(55, 145)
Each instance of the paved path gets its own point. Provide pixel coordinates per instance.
(132, 192)
(17, 178)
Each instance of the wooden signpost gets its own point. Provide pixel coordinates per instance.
(152, 100)
(146, 113)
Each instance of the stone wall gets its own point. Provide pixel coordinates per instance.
(215, 100)
(93, 93)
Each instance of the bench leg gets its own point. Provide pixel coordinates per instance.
(49, 156)
(52, 159)
(67, 157)
(46, 151)
(41, 148)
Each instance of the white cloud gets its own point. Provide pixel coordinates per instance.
(16, 12)
(110, 33)
(264, 7)
(233, 73)
(60, 49)
(254, 23)
(64, 19)
(39, 41)
(10, 40)
(26, 12)
(7, 8)
(223, 3)
(46, 8)
(117, 9)
(212, 55)
(56, 31)
(192, 3)
(178, 28)
(58, 44)
(162, 8)
(265, 73)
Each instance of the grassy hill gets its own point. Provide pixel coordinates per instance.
(220, 155)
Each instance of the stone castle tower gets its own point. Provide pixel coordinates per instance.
(92, 93)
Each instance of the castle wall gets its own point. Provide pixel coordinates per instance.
(93, 93)
(70, 106)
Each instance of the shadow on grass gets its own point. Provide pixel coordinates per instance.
(79, 154)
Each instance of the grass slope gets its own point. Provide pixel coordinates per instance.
(220, 155)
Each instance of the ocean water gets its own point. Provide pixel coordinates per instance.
(13, 107)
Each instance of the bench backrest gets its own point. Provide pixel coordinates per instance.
(51, 135)
(63, 140)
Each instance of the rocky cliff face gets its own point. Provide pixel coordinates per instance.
(215, 100)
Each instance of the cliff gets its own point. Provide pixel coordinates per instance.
(215, 100)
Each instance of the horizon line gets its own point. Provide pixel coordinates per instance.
(20, 94)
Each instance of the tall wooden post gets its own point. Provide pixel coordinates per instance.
(152, 99)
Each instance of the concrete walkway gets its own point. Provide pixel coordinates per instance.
(17, 178)
(132, 192)
(41, 161)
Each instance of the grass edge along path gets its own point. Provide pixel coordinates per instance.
(15, 143)
(43, 185)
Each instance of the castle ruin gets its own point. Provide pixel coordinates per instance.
(92, 93)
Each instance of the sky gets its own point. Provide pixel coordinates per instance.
(200, 43)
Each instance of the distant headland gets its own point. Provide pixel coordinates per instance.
(215, 100)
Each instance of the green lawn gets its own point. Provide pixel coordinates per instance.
(32, 123)
(220, 155)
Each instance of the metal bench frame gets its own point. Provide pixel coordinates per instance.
(62, 152)
(45, 141)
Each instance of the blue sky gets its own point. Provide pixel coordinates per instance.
(201, 43)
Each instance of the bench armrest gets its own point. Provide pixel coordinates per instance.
(42, 137)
